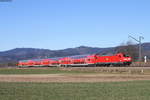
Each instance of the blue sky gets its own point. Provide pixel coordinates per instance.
(60, 24)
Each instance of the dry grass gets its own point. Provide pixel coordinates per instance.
(72, 78)
(142, 64)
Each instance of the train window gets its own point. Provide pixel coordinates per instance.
(119, 56)
(126, 55)
(95, 57)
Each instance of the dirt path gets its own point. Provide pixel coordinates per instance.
(72, 78)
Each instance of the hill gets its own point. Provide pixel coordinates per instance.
(33, 53)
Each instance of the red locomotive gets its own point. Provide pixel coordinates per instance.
(80, 60)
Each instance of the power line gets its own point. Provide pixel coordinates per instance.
(139, 40)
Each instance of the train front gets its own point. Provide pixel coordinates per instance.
(127, 60)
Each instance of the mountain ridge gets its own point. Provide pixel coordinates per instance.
(17, 54)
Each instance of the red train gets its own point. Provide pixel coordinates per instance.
(80, 60)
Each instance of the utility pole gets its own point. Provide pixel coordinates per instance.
(140, 45)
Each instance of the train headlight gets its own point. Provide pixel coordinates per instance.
(125, 59)
(129, 58)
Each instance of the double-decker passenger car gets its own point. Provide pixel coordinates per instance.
(81, 60)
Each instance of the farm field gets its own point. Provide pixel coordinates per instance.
(136, 90)
(76, 70)
(74, 74)
(38, 70)
(75, 83)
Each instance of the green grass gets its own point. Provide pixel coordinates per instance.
(40, 71)
(137, 90)
(56, 70)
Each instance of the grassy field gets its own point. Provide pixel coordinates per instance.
(129, 90)
(40, 71)
(136, 90)
(77, 70)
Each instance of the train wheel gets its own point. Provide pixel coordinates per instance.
(108, 65)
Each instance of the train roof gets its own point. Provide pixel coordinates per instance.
(79, 56)
(23, 60)
(30, 59)
(57, 58)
